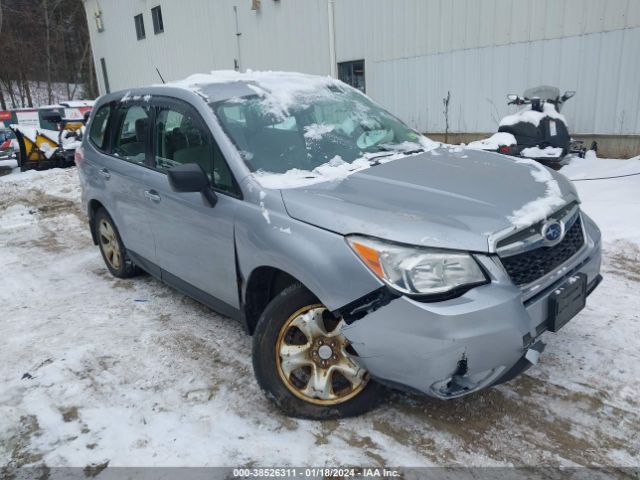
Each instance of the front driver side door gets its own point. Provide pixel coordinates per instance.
(194, 242)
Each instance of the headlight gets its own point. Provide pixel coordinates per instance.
(418, 270)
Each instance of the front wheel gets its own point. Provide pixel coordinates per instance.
(304, 363)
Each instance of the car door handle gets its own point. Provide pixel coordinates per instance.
(152, 195)
(105, 173)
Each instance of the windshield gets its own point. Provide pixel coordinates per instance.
(543, 92)
(338, 123)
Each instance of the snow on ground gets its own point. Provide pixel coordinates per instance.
(94, 369)
(620, 221)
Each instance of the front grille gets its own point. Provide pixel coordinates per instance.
(527, 267)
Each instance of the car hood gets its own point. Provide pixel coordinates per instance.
(449, 198)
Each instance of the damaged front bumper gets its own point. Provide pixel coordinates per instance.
(454, 347)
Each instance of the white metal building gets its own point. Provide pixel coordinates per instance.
(407, 54)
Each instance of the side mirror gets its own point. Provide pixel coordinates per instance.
(512, 96)
(191, 178)
(568, 94)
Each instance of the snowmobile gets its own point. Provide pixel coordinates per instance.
(538, 131)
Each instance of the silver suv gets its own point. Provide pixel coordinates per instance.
(358, 253)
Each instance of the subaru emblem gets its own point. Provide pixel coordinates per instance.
(552, 231)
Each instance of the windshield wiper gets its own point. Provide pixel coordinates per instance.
(373, 158)
(412, 152)
(383, 148)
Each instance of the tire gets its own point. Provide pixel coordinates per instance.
(111, 247)
(279, 320)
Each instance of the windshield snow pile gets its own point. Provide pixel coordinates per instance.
(531, 116)
(542, 207)
(334, 169)
(494, 142)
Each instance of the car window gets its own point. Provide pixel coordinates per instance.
(98, 126)
(181, 137)
(130, 142)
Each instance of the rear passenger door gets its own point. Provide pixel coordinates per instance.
(195, 243)
(124, 169)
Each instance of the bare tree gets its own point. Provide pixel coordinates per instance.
(49, 8)
(50, 49)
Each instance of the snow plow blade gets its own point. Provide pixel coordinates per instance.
(41, 148)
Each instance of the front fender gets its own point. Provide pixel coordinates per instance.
(321, 260)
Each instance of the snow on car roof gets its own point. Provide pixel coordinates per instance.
(271, 80)
(280, 90)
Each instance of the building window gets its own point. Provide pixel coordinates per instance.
(156, 15)
(352, 73)
(139, 21)
(105, 77)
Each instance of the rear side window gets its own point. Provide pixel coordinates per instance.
(131, 136)
(98, 126)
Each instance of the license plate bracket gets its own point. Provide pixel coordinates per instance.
(566, 301)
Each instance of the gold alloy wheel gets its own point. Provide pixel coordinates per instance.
(312, 359)
(109, 244)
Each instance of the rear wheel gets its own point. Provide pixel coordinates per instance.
(305, 364)
(111, 247)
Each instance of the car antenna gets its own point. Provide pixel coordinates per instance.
(160, 75)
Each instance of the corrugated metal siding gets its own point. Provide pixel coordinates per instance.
(602, 67)
(200, 36)
(480, 50)
(415, 51)
(392, 29)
